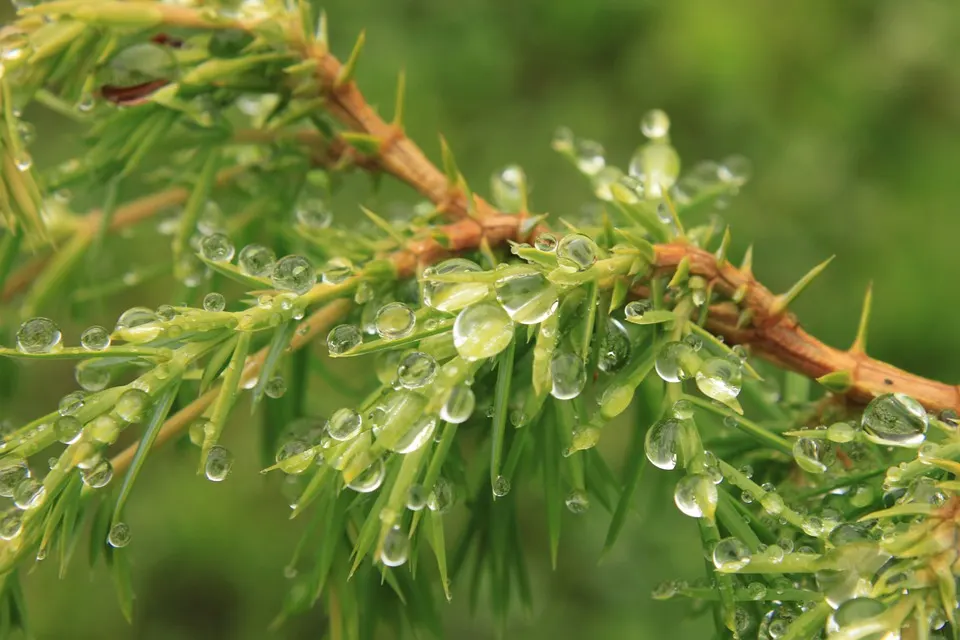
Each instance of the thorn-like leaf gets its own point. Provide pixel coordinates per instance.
(724, 247)
(682, 272)
(401, 95)
(385, 226)
(837, 381)
(746, 267)
(501, 407)
(349, 68)
(449, 164)
(860, 342)
(784, 299)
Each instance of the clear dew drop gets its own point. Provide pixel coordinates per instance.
(395, 549)
(218, 464)
(119, 535)
(809, 454)
(637, 308)
(217, 248)
(720, 379)
(336, 271)
(842, 432)
(214, 301)
(137, 324)
(615, 347)
(293, 273)
(441, 497)
(482, 331)
(91, 378)
(95, 338)
(577, 252)
(343, 338)
(38, 335)
(528, 298)
(99, 475)
(655, 124)
(71, 403)
(418, 434)
(895, 419)
(695, 495)
(29, 494)
(730, 554)
(131, 405)
(394, 321)
(417, 497)
(313, 213)
(11, 524)
(344, 424)
(459, 405)
(568, 375)
(682, 409)
(772, 503)
(656, 165)
(661, 443)
(589, 156)
(546, 242)
(369, 479)
(855, 614)
(12, 473)
(676, 361)
(577, 501)
(453, 296)
(67, 429)
(257, 260)
(416, 370)
(508, 187)
(295, 457)
(501, 486)
(275, 387)
(104, 428)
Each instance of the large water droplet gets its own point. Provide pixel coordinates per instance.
(119, 535)
(344, 424)
(730, 554)
(293, 273)
(11, 524)
(546, 242)
(343, 338)
(529, 298)
(696, 495)
(95, 338)
(67, 429)
(656, 165)
(99, 475)
(858, 613)
(416, 370)
(419, 434)
(369, 479)
(459, 404)
(132, 404)
(336, 270)
(218, 464)
(417, 497)
(295, 457)
(676, 361)
(507, 188)
(615, 347)
(29, 494)
(568, 375)
(482, 331)
(661, 443)
(895, 419)
(257, 260)
(501, 486)
(453, 296)
(655, 124)
(394, 321)
(217, 248)
(138, 325)
(214, 301)
(577, 252)
(720, 379)
(38, 335)
(809, 454)
(92, 378)
(396, 548)
(577, 501)
(71, 403)
(12, 473)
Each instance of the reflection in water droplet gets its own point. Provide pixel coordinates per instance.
(482, 331)
(95, 338)
(661, 443)
(895, 419)
(38, 335)
(453, 296)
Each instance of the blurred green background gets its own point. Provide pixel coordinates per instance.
(850, 112)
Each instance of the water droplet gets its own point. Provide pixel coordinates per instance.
(568, 375)
(562, 139)
(11, 524)
(23, 160)
(730, 554)
(546, 242)
(119, 535)
(197, 430)
(842, 432)
(453, 296)
(293, 273)
(218, 464)
(29, 494)
(577, 252)
(67, 429)
(577, 502)
(344, 424)
(508, 187)
(735, 170)
(91, 378)
(661, 443)
(615, 347)
(416, 370)
(719, 379)
(95, 338)
(772, 503)
(895, 419)
(214, 302)
(528, 298)
(603, 183)
(683, 409)
(656, 165)
(856, 613)
(589, 156)
(482, 331)
(501, 486)
(295, 457)
(696, 495)
(131, 405)
(396, 548)
(99, 475)
(676, 361)
(138, 324)
(655, 124)
(38, 335)
(104, 428)
(419, 434)
(394, 321)
(12, 472)
(343, 338)
(369, 479)
(459, 404)
(71, 403)
(809, 454)
(217, 248)
(313, 213)
(637, 308)
(257, 260)
(949, 418)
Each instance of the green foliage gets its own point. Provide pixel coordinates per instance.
(501, 366)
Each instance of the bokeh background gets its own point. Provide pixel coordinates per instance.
(851, 114)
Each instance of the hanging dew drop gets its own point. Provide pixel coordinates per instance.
(676, 361)
(655, 124)
(730, 554)
(257, 260)
(720, 379)
(809, 455)
(568, 375)
(577, 252)
(11, 524)
(343, 339)
(501, 486)
(131, 405)
(275, 387)
(416, 497)
(95, 338)
(369, 479)
(895, 419)
(394, 321)
(71, 403)
(218, 464)
(344, 424)
(482, 331)
(295, 457)
(12, 473)
(528, 298)
(29, 494)
(453, 296)
(416, 370)
(395, 549)
(615, 347)
(656, 165)
(508, 187)
(67, 429)
(293, 273)
(696, 495)
(99, 475)
(214, 302)
(459, 404)
(661, 443)
(441, 498)
(636, 309)
(91, 378)
(682, 409)
(577, 502)
(546, 242)
(119, 535)
(38, 335)
(419, 434)
(217, 248)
